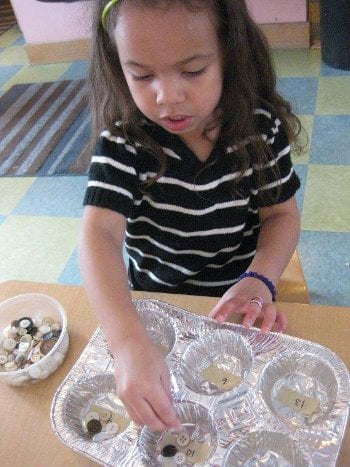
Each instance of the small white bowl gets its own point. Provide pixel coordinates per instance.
(34, 305)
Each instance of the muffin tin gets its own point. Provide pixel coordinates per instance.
(244, 398)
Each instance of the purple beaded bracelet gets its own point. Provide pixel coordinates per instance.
(261, 278)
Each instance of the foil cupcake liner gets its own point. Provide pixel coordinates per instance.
(217, 362)
(265, 448)
(160, 330)
(299, 388)
(198, 427)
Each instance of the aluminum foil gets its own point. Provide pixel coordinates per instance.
(244, 398)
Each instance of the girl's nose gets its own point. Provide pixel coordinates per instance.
(169, 92)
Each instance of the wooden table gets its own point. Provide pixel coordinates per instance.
(26, 436)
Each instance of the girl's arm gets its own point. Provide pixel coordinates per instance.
(142, 375)
(279, 233)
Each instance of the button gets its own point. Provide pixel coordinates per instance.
(20, 359)
(94, 426)
(38, 335)
(3, 359)
(35, 357)
(47, 335)
(183, 439)
(9, 344)
(37, 321)
(15, 323)
(105, 415)
(180, 458)
(32, 330)
(13, 332)
(48, 345)
(23, 347)
(48, 320)
(22, 331)
(10, 366)
(25, 323)
(26, 338)
(112, 428)
(55, 327)
(169, 450)
(44, 328)
(10, 331)
(11, 357)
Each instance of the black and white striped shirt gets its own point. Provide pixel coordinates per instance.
(190, 232)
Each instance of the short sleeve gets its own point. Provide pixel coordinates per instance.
(113, 181)
(274, 180)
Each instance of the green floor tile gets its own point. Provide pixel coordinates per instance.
(304, 139)
(36, 248)
(13, 55)
(12, 190)
(37, 74)
(296, 62)
(333, 97)
(326, 202)
(10, 36)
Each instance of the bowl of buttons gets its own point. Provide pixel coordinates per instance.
(33, 338)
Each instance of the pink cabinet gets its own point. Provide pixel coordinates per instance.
(278, 11)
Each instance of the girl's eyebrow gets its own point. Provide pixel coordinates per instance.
(181, 62)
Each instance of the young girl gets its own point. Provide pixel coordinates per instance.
(192, 168)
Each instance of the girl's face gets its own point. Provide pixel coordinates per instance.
(172, 62)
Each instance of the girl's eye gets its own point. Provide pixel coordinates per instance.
(141, 78)
(195, 73)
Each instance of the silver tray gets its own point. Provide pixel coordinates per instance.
(245, 398)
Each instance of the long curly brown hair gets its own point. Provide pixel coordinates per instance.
(249, 81)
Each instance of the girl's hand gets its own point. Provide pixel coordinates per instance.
(238, 298)
(143, 384)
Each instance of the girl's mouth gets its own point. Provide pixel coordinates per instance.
(176, 123)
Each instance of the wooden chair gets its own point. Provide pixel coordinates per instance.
(292, 286)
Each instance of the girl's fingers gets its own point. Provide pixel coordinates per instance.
(252, 311)
(133, 415)
(281, 322)
(218, 313)
(222, 311)
(148, 417)
(163, 408)
(270, 314)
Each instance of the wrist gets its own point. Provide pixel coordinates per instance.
(119, 341)
(265, 280)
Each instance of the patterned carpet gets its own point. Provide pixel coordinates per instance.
(44, 129)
